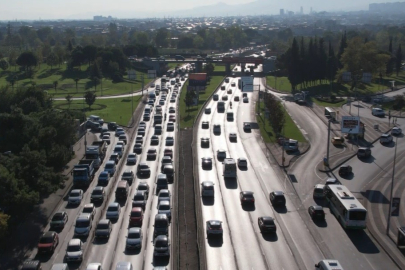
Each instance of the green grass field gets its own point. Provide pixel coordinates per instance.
(111, 110)
(45, 76)
(290, 129)
(188, 115)
(327, 104)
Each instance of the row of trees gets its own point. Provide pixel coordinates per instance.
(276, 113)
(304, 63)
(35, 144)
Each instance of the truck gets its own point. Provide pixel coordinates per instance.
(97, 119)
(96, 152)
(83, 172)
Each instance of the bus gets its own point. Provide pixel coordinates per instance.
(330, 113)
(348, 210)
(229, 165)
(152, 95)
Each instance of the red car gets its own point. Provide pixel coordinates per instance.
(172, 118)
(48, 242)
(136, 217)
(168, 152)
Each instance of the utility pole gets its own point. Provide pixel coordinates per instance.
(327, 141)
(142, 83)
(392, 188)
(132, 98)
(259, 100)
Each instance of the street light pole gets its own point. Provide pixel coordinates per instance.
(327, 141)
(392, 188)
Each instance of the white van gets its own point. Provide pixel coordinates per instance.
(378, 112)
(148, 109)
(328, 265)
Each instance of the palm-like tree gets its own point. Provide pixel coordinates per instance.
(76, 81)
(55, 84)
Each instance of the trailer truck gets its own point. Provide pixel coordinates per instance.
(83, 172)
(96, 152)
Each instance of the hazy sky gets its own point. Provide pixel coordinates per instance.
(85, 9)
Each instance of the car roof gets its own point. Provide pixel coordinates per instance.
(278, 193)
(320, 186)
(98, 188)
(114, 204)
(207, 183)
(246, 192)
(48, 234)
(214, 222)
(84, 216)
(61, 213)
(267, 218)
(74, 242)
(207, 158)
(134, 229)
(104, 221)
(89, 205)
(164, 202)
(162, 238)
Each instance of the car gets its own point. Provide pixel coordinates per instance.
(166, 160)
(123, 138)
(139, 139)
(103, 229)
(48, 242)
(98, 194)
(164, 208)
(233, 137)
(385, 138)
(89, 209)
(121, 144)
(141, 131)
(128, 176)
(236, 98)
(246, 197)
(134, 238)
(221, 154)
(169, 141)
(83, 225)
(316, 212)
(146, 117)
(170, 126)
(59, 220)
(110, 167)
(233, 84)
(158, 109)
(142, 124)
(112, 126)
(205, 142)
(172, 109)
(151, 154)
(247, 127)
(205, 124)
(396, 131)
(207, 189)
(136, 217)
(154, 140)
(266, 224)
(345, 170)
(338, 141)
(207, 110)
(217, 129)
(161, 246)
(363, 152)
(224, 98)
(106, 138)
(113, 210)
(242, 162)
(319, 191)
(277, 198)
(115, 157)
(131, 159)
(31, 265)
(229, 91)
(75, 197)
(172, 118)
(93, 266)
(245, 100)
(172, 100)
(74, 250)
(158, 130)
(142, 186)
(378, 112)
(164, 195)
(161, 102)
(332, 181)
(143, 169)
(206, 162)
(137, 148)
(215, 97)
(214, 227)
(140, 199)
(227, 80)
(119, 131)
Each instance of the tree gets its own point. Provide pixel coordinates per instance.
(55, 85)
(70, 46)
(90, 53)
(69, 99)
(162, 37)
(52, 59)
(331, 63)
(342, 47)
(391, 62)
(142, 38)
(198, 42)
(3, 224)
(398, 62)
(4, 64)
(209, 68)
(27, 60)
(77, 81)
(189, 99)
(90, 98)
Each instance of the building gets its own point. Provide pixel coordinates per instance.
(302, 10)
(282, 12)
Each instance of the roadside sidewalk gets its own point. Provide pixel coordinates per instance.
(25, 237)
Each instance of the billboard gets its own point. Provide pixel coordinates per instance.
(350, 124)
(151, 74)
(197, 79)
(131, 74)
(246, 84)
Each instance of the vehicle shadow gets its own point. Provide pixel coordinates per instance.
(215, 241)
(280, 209)
(161, 261)
(362, 241)
(248, 207)
(208, 201)
(270, 237)
(231, 183)
(349, 176)
(370, 159)
(43, 257)
(320, 223)
(320, 201)
(135, 251)
(74, 265)
(389, 145)
(100, 241)
(243, 168)
(375, 196)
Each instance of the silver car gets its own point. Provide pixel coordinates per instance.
(74, 251)
(165, 209)
(134, 238)
(113, 211)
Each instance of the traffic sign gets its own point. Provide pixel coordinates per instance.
(350, 124)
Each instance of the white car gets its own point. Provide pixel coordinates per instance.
(378, 112)
(113, 211)
(207, 189)
(385, 138)
(396, 131)
(74, 251)
(94, 266)
(75, 196)
(165, 209)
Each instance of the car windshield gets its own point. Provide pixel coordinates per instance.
(268, 222)
(102, 226)
(126, 174)
(82, 223)
(248, 196)
(131, 156)
(164, 207)
(75, 194)
(144, 166)
(88, 210)
(139, 197)
(97, 192)
(142, 187)
(73, 248)
(109, 166)
(160, 224)
(46, 240)
(215, 226)
(134, 235)
(57, 217)
(112, 209)
(161, 244)
(136, 214)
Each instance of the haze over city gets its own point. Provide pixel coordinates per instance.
(77, 9)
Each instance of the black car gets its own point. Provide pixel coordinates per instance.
(206, 162)
(266, 224)
(137, 148)
(143, 169)
(140, 199)
(277, 198)
(128, 176)
(103, 229)
(59, 220)
(247, 127)
(112, 126)
(205, 125)
(345, 170)
(316, 212)
(115, 157)
(246, 197)
(151, 155)
(142, 186)
(205, 142)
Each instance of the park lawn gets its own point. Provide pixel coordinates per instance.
(219, 68)
(188, 115)
(44, 75)
(327, 104)
(290, 128)
(111, 110)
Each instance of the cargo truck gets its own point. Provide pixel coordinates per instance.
(83, 172)
(96, 152)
